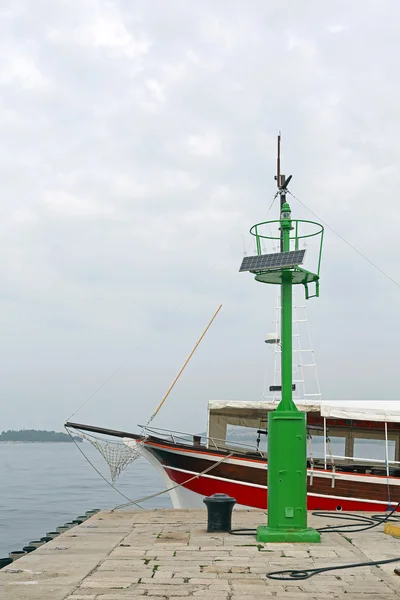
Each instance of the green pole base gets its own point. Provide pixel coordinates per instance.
(304, 536)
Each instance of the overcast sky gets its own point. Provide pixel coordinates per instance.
(138, 145)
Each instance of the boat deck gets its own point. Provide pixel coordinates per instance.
(167, 554)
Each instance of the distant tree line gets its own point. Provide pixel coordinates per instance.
(36, 435)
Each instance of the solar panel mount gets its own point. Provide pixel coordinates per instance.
(272, 262)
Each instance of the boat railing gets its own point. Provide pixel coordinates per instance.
(359, 465)
(367, 460)
(195, 440)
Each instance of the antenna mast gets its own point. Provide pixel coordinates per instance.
(281, 183)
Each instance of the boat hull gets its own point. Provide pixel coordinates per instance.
(196, 473)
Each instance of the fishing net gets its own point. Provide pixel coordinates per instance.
(118, 455)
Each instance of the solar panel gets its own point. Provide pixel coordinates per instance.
(269, 262)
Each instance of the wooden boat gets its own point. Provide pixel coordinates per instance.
(201, 465)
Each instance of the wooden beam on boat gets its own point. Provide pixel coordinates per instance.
(355, 426)
(103, 430)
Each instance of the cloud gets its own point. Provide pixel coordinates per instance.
(138, 146)
(22, 71)
(62, 203)
(205, 144)
(336, 28)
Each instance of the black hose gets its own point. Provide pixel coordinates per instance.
(370, 522)
(295, 574)
(362, 523)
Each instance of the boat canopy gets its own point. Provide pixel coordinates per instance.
(222, 413)
(254, 414)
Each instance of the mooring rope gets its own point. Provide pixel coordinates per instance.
(174, 486)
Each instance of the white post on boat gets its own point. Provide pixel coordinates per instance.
(387, 452)
(325, 443)
(389, 507)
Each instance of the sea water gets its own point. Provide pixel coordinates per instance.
(43, 485)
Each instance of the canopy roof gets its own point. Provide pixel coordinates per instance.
(254, 410)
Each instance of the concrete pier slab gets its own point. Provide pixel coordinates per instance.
(167, 554)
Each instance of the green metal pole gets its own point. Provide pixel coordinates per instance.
(286, 326)
(287, 454)
(286, 339)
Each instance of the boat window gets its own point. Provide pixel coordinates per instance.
(370, 448)
(317, 443)
(245, 435)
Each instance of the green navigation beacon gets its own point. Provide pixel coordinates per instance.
(287, 455)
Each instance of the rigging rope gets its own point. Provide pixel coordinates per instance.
(176, 485)
(144, 498)
(98, 472)
(346, 242)
(116, 454)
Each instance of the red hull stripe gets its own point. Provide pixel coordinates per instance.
(256, 497)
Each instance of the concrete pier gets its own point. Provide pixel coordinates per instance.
(167, 554)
